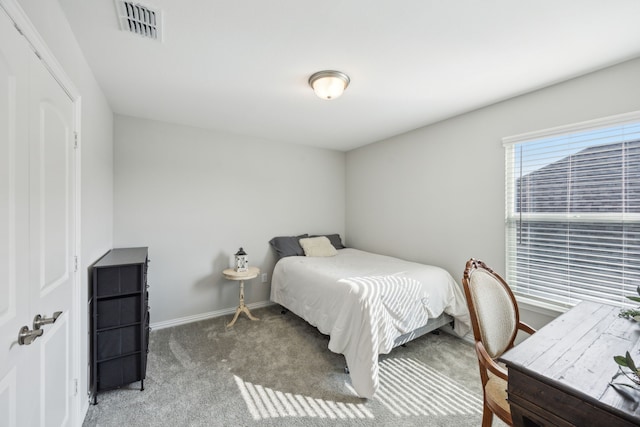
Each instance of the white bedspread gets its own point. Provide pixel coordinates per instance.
(364, 301)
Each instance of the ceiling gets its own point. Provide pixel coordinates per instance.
(242, 66)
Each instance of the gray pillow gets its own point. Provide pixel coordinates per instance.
(334, 239)
(287, 245)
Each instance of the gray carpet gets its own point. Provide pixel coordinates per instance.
(279, 372)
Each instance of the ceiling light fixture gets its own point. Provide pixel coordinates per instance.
(329, 84)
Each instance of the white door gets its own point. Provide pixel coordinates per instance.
(15, 360)
(37, 234)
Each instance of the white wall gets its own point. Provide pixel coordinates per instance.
(436, 194)
(195, 196)
(96, 146)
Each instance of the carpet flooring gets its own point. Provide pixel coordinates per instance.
(279, 372)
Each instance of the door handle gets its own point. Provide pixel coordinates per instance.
(40, 321)
(26, 336)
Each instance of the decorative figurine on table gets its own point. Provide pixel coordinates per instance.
(242, 261)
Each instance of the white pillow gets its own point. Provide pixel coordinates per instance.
(318, 246)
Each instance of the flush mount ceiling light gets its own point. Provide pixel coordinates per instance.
(329, 84)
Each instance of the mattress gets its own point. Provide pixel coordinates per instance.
(364, 302)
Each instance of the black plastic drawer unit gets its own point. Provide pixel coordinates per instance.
(119, 319)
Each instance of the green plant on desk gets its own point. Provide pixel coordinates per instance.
(628, 368)
(632, 313)
(626, 364)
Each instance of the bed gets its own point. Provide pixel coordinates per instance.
(368, 304)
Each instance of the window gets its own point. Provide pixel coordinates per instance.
(573, 212)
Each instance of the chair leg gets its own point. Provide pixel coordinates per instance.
(487, 417)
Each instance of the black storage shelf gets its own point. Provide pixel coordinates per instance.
(119, 356)
(119, 320)
(112, 296)
(121, 370)
(116, 327)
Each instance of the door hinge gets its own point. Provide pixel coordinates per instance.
(74, 387)
(75, 263)
(75, 140)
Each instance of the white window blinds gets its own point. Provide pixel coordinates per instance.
(573, 212)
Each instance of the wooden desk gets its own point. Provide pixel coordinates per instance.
(560, 375)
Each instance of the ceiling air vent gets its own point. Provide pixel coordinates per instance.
(139, 19)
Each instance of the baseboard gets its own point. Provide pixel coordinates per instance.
(205, 316)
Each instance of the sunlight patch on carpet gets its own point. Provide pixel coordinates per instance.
(409, 387)
(264, 402)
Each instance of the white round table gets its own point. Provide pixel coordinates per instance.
(231, 274)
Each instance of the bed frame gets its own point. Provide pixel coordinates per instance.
(432, 325)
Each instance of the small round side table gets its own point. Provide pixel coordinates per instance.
(231, 274)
